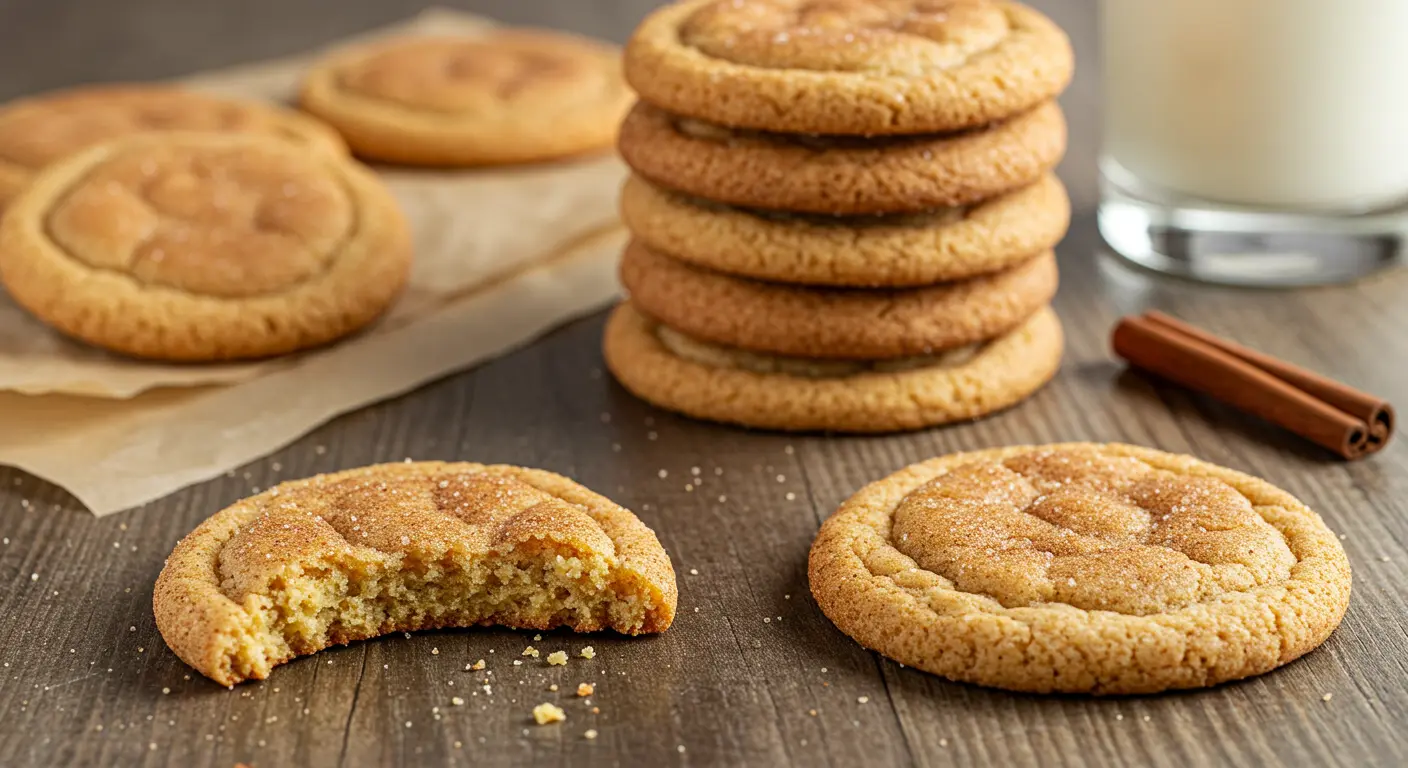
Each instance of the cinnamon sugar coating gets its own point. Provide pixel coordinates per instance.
(40, 130)
(401, 547)
(853, 67)
(507, 96)
(734, 386)
(1080, 568)
(835, 323)
(842, 175)
(188, 246)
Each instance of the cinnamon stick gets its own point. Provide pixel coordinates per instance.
(1345, 420)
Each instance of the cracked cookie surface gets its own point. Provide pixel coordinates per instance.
(400, 547)
(1080, 568)
(509, 96)
(848, 66)
(40, 130)
(842, 175)
(198, 247)
(714, 383)
(837, 323)
(895, 251)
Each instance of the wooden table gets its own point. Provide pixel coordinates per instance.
(752, 673)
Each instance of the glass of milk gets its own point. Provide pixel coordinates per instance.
(1256, 142)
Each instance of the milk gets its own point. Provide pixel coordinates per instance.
(1297, 104)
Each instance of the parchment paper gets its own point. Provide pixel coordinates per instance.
(501, 256)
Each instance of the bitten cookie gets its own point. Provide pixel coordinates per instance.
(899, 250)
(508, 97)
(199, 247)
(672, 371)
(834, 323)
(38, 130)
(848, 66)
(839, 174)
(401, 547)
(1105, 569)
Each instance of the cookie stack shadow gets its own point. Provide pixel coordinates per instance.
(803, 260)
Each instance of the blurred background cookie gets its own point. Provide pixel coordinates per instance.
(512, 96)
(38, 130)
(200, 247)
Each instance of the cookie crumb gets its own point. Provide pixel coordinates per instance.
(589, 734)
(693, 571)
(1327, 697)
(530, 651)
(585, 689)
(548, 713)
(557, 659)
(456, 701)
(943, 742)
(434, 651)
(476, 665)
(587, 652)
(863, 699)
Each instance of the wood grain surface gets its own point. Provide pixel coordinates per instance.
(752, 673)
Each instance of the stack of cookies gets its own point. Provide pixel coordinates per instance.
(843, 211)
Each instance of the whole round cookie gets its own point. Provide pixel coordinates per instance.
(704, 381)
(844, 175)
(510, 96)
(852, 67)
(1080, 568)
(200, 247)
(38, 130)
(834, 323)
(400, 547)
(896, 251)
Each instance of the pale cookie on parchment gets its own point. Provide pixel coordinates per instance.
(399, 547)
(509, 96)
(1080, 568)
(37, 130)
(896, 251)
(672, 371)
(851, 67)
(204, 246)
(834, 323)
(843, 175)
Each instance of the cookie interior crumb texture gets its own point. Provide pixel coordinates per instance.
(1080, 568)
(401, 547)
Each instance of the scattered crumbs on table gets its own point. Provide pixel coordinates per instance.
(587, 652)
(548, 712)
(557, 658)
(530, 651)
(585, 689)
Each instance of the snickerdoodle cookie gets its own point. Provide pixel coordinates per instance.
(853, 67)
(842, 175)
(834, 323)
(705, 381)
(1080, 568)
(506, 97)
(38, 130)
(400, 547)
(204, 246)
(898, 250)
